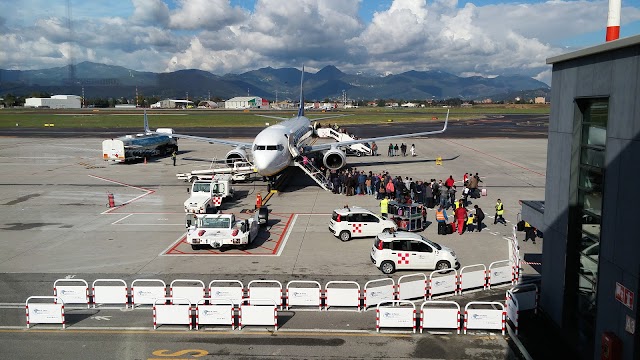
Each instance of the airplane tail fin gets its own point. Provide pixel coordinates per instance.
(301, 108)
(146, 123)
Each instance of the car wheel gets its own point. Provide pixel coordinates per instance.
(388, 267)
(443, 265)
(345, 235)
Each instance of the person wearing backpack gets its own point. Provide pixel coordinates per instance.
(479, 217)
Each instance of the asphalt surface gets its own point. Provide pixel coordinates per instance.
(55, 227)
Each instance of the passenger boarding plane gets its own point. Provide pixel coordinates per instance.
(275, 148)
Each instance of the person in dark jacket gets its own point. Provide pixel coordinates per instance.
(479, 217)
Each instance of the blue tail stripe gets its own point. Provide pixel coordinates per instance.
(301, 108)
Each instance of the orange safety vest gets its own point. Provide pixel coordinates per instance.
(440, 215)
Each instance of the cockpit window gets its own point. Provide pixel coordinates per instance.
(261, 147)
(272, 147)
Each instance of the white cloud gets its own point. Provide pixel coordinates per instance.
(213, 35)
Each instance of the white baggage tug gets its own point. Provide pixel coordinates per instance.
(217, 230)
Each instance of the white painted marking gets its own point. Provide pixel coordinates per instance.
(102, 318)
(286, 237)
(117, 221)
(69, 276)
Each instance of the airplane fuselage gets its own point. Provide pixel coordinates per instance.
(271, 149)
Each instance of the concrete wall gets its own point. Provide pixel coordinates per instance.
(614, 74)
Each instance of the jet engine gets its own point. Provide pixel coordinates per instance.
(235, 155)
(334, 159)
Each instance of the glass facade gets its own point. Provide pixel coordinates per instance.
(584, 233)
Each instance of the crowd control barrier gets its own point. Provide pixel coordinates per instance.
(412, 289)
(304, 296)
(472, 279)
(40, 313)
(104, 294)
(190, 292)
(439, 314)
(259, 312)
(218, 312)
(484, 319)
(147, 295)
(172, 313)
(396, 316)
(500, 274)
(227, 290)
(376, 291)
(265, 292)
(344, 296)
(71, 294)
(521, 298)
(441, 282)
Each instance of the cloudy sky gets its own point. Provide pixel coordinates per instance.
(478, 37)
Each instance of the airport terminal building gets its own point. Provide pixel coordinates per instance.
(55, 102)
(591, 257)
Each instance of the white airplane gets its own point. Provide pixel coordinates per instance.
(275, 148)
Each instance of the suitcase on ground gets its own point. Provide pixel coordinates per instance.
(450, 228)
(484, 192)
(442, 228)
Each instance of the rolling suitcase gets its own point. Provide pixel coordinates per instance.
(484, 192)
(451, 228)
(442, 228)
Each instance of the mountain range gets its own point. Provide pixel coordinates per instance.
(100, 80)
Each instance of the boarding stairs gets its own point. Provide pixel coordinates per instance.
(315, 174)
(340, 136)
(240, 170)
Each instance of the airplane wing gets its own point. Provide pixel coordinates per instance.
(272, 117)
(240, 144)
(328, 146)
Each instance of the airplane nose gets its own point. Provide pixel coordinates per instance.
(263, 163)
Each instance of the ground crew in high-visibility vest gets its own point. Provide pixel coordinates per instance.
(258, 201)
(384, 207)
(441, 215)
(499, 213)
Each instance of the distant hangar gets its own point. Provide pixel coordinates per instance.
(55, 102)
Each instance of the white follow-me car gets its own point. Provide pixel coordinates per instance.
(355, 221)
(403, 250)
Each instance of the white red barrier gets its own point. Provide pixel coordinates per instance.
(147, 295)
(303, 296)
(500, 272)
(396, 316)
(521, 298)
(442, 282)
(486, 318)
(438, 314)
(190, 292)
(227, 290)
(376, 291)
(219, 312)
(177, 312)
(412, 289)
(260, 312)
(514, 253)
(39, 313)
(71, 294)
(265, 292)
(104, 294)
(347, 295)
(472, 277)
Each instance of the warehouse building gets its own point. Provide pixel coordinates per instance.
(591, 254)
(246, 102)
(55, 102)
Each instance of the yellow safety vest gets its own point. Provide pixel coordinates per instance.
(384, 206)
(499, 208)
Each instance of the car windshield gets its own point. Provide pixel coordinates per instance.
(203, 187)
(435, 245)
(215, 223)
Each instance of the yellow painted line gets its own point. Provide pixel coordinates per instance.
(205, 332)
